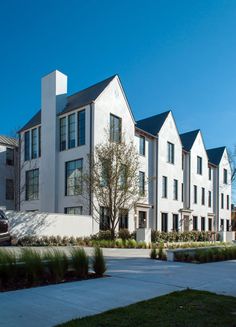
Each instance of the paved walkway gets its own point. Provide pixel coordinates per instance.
(132, 280)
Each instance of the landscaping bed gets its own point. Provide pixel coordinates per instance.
(31, 268)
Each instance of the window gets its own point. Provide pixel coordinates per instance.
(142, 145)
(164, 222)
(39, 140)
(175, 222)
(10, 189)
(115, 128)
(105, 172)
(10, 157)
(34, 143)
(74, 177)
(209, 173)
(123, 219)
(195, 225)
(182, 192)
(175, 189)
(225, 176)
(227, 225)
(74, 210)
(210, 224)
(104, 218)
(183, 161)
(203, 224)
(203, 196)
(63, 134)
(81, 127)
(195, 194)
(170, 152)
(164, 186)
(199, 165)
(32, 185)
(209, 199)
(123, 176)
(142, 219)
(27, 145)
(71, 131)
(141, 183)
(222, 201)
(227, 202)
(222, 224)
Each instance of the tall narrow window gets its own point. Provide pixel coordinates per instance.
(203, 196)
(63, 134)
(104, 218)
(170, 152)
(34, 143)
(182, 192)
(164, 222)
(209, 173)
(115, 128)
(175, 189)
(141, 183)
(222, 225)
(74, 177)
(142, 217)
(225, 176)
(81, 127)
(210, 224)
(39, 140)
(9, 157)
(209, 199)
(203, 227)
(175, 222)
(195, 224)
(123, 219)
(164, 186)
(142, 145)
(27, 145)
(222, 201)
(195, 194)
(227, 202)
(71, 131)
(32, 185)
(227, 225)
(199, 165)
(10, 189)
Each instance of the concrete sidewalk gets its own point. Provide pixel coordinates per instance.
(131, 280)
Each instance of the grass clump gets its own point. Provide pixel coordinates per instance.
(57, 264)
(33, 265)
(98, 262)
(80, 262)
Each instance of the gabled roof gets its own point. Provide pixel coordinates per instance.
(188, 139)
(6, 140)
(215, 155)
(153, 124)
(77, 100)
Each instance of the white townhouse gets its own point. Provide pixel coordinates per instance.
(8, 172)
(55, 143)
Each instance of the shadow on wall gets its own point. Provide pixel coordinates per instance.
(49, 224)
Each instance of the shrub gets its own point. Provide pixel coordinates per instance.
(98, 262)
(33, 265)
(131, 243)
(124, 234)
(119, 243)
(153, 253)
(7, 266)
(57, 263)
(161, 251)
(80, 262)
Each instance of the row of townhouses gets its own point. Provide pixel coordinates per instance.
(189, 186)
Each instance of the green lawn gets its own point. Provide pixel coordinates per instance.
(183, 309)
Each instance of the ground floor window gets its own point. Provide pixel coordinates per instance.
(210, 224)
(227, 225)
(195, 225)
(104, 218)
(222, 224)
(203, 227)
(123, 219)
(142, 219)
(164, 222)
(32, 185)
(175, 222)
(74, 210)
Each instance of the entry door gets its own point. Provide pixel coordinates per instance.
(142, 219)
(186, 223)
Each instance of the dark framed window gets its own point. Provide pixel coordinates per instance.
(141, 183)
(142, 145)
(195, 194)
(203, 196)
(227, 202)
(199, 165)
(227, 225)
(63, 134)
(209, 199)
(175, 189)
(175, 222)
(39, 140)
(10, 192)
(142, 219)
(164, 222)
(71, 131)
(203, 227)
(225, 176)
(170, 152)
(182, 192)
(123, 219)
(34, 143)
(222, 225)
(222, 200)
(209, 173)
(74, 210)
(10, 157)
(210, 224)
(81, 127)
(195, 223)
(32, 185)
(27, 145)
(164, 187)
(104, 218)
(74, 177)
(115, 128)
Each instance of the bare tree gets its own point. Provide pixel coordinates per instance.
(112, 180)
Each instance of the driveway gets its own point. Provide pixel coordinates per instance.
(132, 279)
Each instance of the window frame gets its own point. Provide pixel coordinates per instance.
(170, 152)
(10, 156)
(175, 190)
(164, 187)
(113, 127)
(141, 183)
(142, 145)
(199, 165)
(35, 186)
(68, 188)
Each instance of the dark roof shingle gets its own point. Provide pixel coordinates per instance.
(215, 155)
(188, 139)
(153, 124)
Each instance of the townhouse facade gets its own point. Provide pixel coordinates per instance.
(8, 172)
(55, 143)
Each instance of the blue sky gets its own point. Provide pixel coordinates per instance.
(178, 55)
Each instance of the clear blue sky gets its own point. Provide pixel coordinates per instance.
(178, 55)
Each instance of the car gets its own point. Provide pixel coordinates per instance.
(5, 236)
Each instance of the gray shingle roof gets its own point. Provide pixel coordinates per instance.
(77, 100)
(6, 140)
(153, 124)
(215, 155)
(188, 139)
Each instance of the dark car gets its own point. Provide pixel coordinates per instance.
(5, 236)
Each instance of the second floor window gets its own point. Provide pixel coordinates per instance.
(71, 131)
(74, 177)
(209, 173)
(209, 199)
(199, 165)
(175, 190)
(225, 176)
(195, 194)
(32, 184)
(115, 128)
(164, 186)
(203, 196)
(62, 133)
(27, 145)
(34, 143)
(81, 127)
(141, 183)
(227, 202)
(222, 201)
(170, 152)
(142, 145)
(10, 157)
